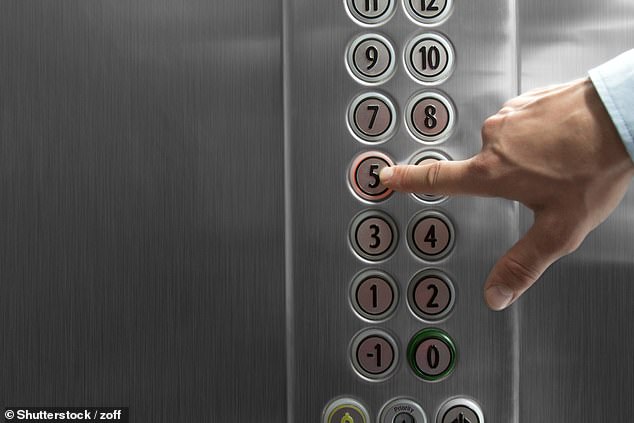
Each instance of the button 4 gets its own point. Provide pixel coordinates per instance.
(430, 235)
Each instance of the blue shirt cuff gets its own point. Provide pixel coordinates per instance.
(614, 81)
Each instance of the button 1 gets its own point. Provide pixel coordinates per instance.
(431, 295)
(374, 294)
(371, 12)
(345, 410)
(374, 354)
(364, 175)
(429, 12)
(373, 235)
(425, 158)
(430, 117)
(431, 354)
(429, 58)
(460, 410)
(372, 117)
(402, 410)
(371, 58)
(430, 235)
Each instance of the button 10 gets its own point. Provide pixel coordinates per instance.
(429, 58)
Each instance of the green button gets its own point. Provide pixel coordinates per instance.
(432, 354)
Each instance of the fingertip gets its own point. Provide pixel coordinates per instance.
(499, 297)
(386, 175)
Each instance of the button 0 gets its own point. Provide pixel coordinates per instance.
(373, 235)
(426, 158)
(371, 12)
(430, 235)
(364, 175)
(431, 294)
(374, 354)
(429, 12)
(431, 354)
(430, 117)
(374, 294)
(371, 58)
(372, 117)
(402, 410)
(345, 410)
(460, 410)
(430, 58)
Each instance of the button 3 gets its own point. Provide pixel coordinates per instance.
(372, 117)
(402, 410)
(373, 235)
(430, 117)
(430, 58)
(374, 354)
(364, 175)
(371, 59)
(431, 354)
(431, 295)
(430, 235)
(460, 410)
(374, 294)
(345, 410)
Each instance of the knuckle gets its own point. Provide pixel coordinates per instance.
(491, 126)
(518, 274)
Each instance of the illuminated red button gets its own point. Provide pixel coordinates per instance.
(364, 175)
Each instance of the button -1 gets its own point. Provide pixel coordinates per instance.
(371, 59)
(371, 12)
(431, 295)
(374, 294)
(430, 58)
(431, 117)
(460, 410)
(426, 158)
(402, 410)
(372, 117)
(345, 410)
(364, 175)
(373, 235)
(431, 354)
(430, 235)
(374, 354)
(429, 12)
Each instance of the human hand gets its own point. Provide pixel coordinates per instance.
(556, 151)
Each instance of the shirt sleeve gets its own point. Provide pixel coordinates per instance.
(614, 81)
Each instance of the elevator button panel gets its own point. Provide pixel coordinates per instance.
(430, 117)
(345, 410)
(431, 353)
(371, 12)
(430, 58)
(431, 235)
(371, 58)
(374, 294)
(460, 410)
(402, 410)
(374, 354)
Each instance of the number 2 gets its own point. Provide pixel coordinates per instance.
(431, 7)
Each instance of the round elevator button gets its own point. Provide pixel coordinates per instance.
(374, 294)
(371, 12)
(431, 295)
(364, 175)
(430, 235)
(431, 354)
(373, 235)
(430, 116)
(371, 58)
(460, 410)
(426, 158)
(371, 117)
(430, 58)
(402, 410)
(429, 12)
(345, 410)
(374, 354)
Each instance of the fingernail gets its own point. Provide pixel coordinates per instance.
(386, 174)
(498, 297)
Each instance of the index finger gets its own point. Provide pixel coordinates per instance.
(440, 178)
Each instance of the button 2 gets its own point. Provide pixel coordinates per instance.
(429, 12)
(371, 12)
(430, 58)
(345, 410)
(431, 354)
(373, 235)
(430, 235)
(372, 117)
(431, 117)
(364, 175)
(371, 59)
(431, 295)
(374, 294)
(374, 354)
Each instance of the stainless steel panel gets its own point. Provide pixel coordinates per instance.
(577, 333)
(141, 192)
(320, 206)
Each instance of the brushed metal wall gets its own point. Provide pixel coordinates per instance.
(577, 338)
(141, 217)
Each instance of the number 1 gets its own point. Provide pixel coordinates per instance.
(367, 5)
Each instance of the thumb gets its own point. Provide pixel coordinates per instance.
(544, 243)
(441, 177)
